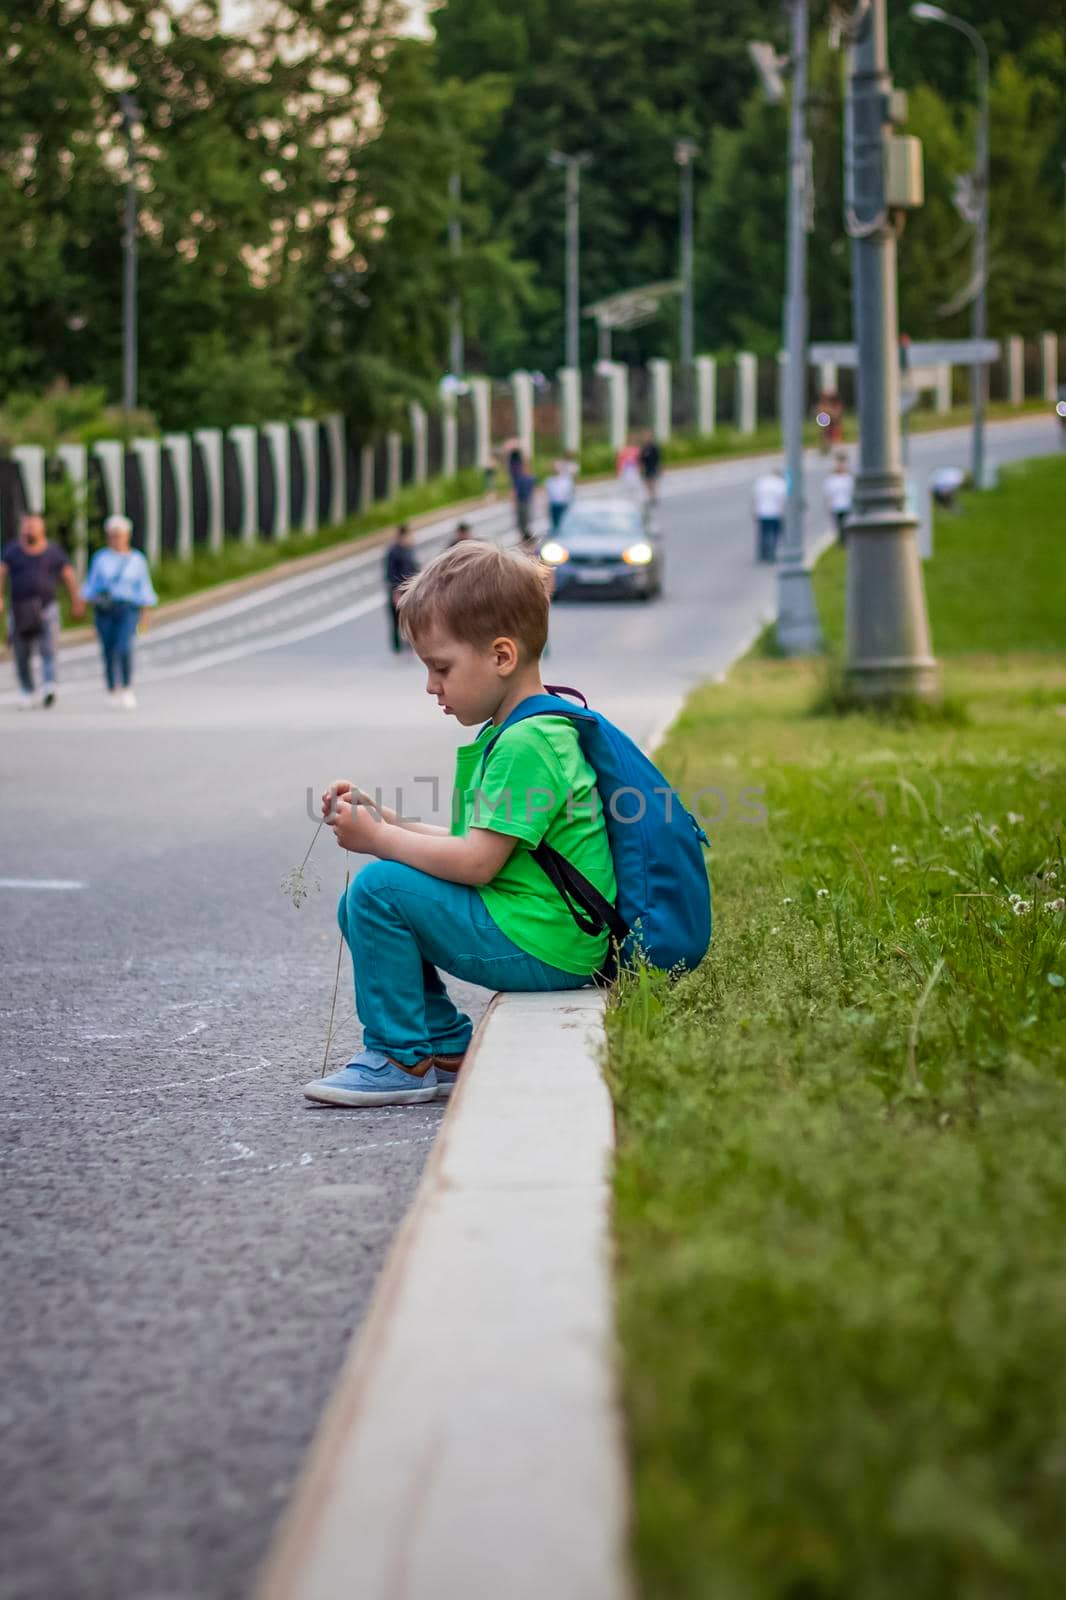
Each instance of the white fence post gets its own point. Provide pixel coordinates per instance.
(522, 388)
(29, 458)
(1016, 370)
(75, 460)
(1049, 367)
(210, 442)
(111, 456)
(706, 394)
(338, 467)
(481, 401)
(147, 453)
(306, 431)
(449, 430)
(366, 477)
(179, 448)
(659, 373)
(616, 375)
(747, 378)
(828, 377)
(570, 405)
(943, 387)
(244, 441)
(276, 435)
(393, 464)
(419, 442)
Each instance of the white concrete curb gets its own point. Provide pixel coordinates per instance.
(472, 1447)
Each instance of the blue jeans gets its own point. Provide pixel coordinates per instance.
(769, 533)
(400, 926)
(116, 629)
(47, 642)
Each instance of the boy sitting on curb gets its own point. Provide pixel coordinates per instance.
(469, 898)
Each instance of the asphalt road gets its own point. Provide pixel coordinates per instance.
(187, 1244)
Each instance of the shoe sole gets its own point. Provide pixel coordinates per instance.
(369, 1097)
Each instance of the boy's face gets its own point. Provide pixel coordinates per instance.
(467, 681)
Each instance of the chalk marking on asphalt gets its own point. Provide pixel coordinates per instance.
(306, 1159)
(41, 883)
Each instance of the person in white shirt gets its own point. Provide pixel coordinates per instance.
(560, 491)
(839, 491)
(768, 497)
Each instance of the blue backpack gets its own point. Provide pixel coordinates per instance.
(663, 910)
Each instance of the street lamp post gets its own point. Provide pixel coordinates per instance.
(456, 350)
(889, 652)
(798, 632)
(572, 166)
(131, 117)
(685, 153)
(979, 313)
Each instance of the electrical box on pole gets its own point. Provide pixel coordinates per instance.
(904, 173)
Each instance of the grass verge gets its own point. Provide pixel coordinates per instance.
(840, 1189)
(997, 580)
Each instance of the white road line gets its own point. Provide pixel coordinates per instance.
(40, 883)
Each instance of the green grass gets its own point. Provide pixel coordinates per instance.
(997, 580)
(840, 1186)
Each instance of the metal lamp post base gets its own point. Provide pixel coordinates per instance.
(798, 630)
(889, 651)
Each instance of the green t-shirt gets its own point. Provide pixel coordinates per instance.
(537, 785)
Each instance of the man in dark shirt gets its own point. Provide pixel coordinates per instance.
(651, 465)
(35, 567)
(401, 563)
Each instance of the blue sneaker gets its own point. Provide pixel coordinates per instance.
(372, 1079)
(447, 1070)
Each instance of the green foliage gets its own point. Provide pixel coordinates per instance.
(997, 580)
(68, 416)
(839, 1190)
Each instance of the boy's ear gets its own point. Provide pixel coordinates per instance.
(505, 651)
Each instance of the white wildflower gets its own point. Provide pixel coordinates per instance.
(1014, 817)
(823, 894)
(1021, 907)
(1055, 905)
(787, 901)
(922, 922)
(894, 849)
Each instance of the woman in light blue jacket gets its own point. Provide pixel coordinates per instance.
(119, 585)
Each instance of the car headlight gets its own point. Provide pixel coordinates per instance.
(638, 555)
(554, 553)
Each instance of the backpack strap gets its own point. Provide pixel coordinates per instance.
(592, 911)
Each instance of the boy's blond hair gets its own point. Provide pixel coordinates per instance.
(478, 593)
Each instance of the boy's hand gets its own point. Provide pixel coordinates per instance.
(355, 827)
(341, 790)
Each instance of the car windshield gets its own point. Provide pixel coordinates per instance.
(592, 524)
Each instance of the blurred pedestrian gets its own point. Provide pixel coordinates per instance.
(559, 488)
(627, 466)
(839, 491)
(651, 466)
(118, 587)
(35, 567)
(401, 563)
(769, 495)
(524, 490)
(463, 532)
